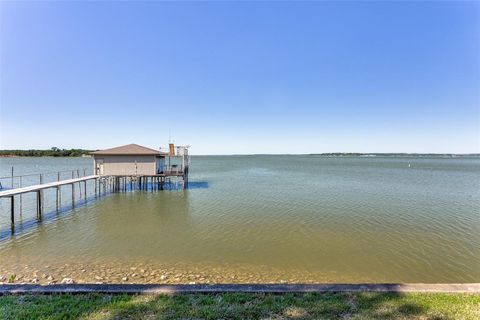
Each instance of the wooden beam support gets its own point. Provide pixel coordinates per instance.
(73, 195)
(57, 198)
(39, 205)
(12, 210)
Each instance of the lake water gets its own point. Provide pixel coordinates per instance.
(259, 219)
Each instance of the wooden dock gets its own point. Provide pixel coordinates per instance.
(102, 185)
(39, 190)
(38, 187)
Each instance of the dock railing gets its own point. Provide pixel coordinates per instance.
(24, 180)
(173, 169)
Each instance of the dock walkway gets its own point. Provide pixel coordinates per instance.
(102, 185)
(38, 187)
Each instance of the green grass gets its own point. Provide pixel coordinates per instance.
(242, 306)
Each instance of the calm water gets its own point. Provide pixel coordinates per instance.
(336, 219)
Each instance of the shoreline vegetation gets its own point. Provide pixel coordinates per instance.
(52, 152)
(57, 152)
(361, 305)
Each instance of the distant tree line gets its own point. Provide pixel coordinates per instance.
(53, 152)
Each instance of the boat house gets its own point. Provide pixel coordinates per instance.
(129, 160)
(129, 167)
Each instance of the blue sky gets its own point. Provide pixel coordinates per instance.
(242, 77)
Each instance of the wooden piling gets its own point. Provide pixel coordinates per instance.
(59, 204)
(39, 205)
(41, 193)
(21, 195)
(57, 198)
(12, 210)
(73, 195)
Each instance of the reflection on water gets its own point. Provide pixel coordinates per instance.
(333, 219)
(27, 222)
(198, 184)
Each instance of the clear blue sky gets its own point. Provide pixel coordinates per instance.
(242, 77)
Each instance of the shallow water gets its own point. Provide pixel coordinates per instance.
(261, 219)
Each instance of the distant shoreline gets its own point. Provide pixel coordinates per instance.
(53, 152)
(86, 153)
(399, 154)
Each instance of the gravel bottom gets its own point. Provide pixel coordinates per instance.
(142, 273)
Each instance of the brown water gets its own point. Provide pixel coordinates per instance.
(262, 219)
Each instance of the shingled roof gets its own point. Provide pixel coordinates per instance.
(129, 149)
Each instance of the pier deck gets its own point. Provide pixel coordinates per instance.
(55, 184)
(113, 183)
(38, 187)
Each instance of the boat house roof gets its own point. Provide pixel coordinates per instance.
(130, 149)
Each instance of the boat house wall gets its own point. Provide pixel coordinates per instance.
(126, 165)
(128, 160)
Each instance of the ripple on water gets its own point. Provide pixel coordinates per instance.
(268, 218)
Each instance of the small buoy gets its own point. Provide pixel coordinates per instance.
(409, 165)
